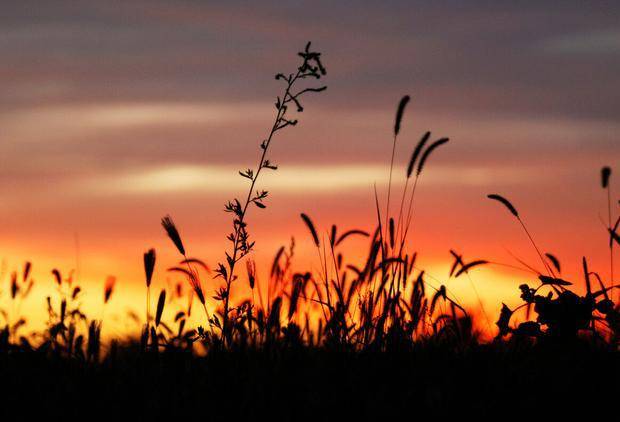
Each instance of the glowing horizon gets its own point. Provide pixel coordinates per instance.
(113, 117)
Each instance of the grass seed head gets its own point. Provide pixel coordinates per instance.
(605, 174)
(149, 265)
(108, 288)
(506, 203)
(161, 302)
(312, 229)
(399, 113)
(173, 233)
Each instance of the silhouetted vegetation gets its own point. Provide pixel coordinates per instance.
(371, 338)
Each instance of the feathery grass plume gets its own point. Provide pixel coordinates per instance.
(273, 321)
(380, 231)
(613, 233)
(149, 265)
(332, 235)
(173, 233)
(27, 268)
(63, 309)
(154, 339)
(198, 262)
(410, 167)
(466, 267)
(458, 261)
(506, 203)
(311, 228)
(555, 261)
(440, 293)
(605, 173)
(399, 113)
(405, 226)
(57, 276)
(250, 266)
(348, 233)
(193, 281)
(76, 292)
(161, 302)
(428, 152)
(14, 285)
(94, 341)
(391, 232)
(275, 265)
(298, 283)
(514, 212)
(586, 275)
(29, 287)
(144, 338)
(416, 153)
(108, 288)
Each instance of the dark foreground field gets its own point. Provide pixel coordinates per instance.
(289, 384)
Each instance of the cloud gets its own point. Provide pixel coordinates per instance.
(127, 114)
(585, 43)
(296, 179)
(69, 121)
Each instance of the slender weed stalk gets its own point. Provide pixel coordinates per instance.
(161, 302)
(420, 166)
(459, 267)
(310, 68)
(412, 162)
(149, 266)
(605, 177)
(514, 212)
(192, 275)
(397, 123)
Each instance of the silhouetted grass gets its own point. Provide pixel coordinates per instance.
(371, 338)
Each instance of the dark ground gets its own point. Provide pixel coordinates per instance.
(485, 380)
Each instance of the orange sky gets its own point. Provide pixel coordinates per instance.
(112, 117)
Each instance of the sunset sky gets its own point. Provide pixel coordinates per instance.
(113, 114)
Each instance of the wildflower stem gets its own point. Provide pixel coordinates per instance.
(281, 112)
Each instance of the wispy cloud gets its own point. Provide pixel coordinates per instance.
(297, 179)
(585, 43)
(60, 121)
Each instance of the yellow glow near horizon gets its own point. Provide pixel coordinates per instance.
(129, 297)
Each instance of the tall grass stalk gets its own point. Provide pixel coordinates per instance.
(515, 213)
(605, 183)
(397, 124)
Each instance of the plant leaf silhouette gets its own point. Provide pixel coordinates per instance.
(553, 281)
(465, 268)
(311, 228)
(555, 261)
(506, 203)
